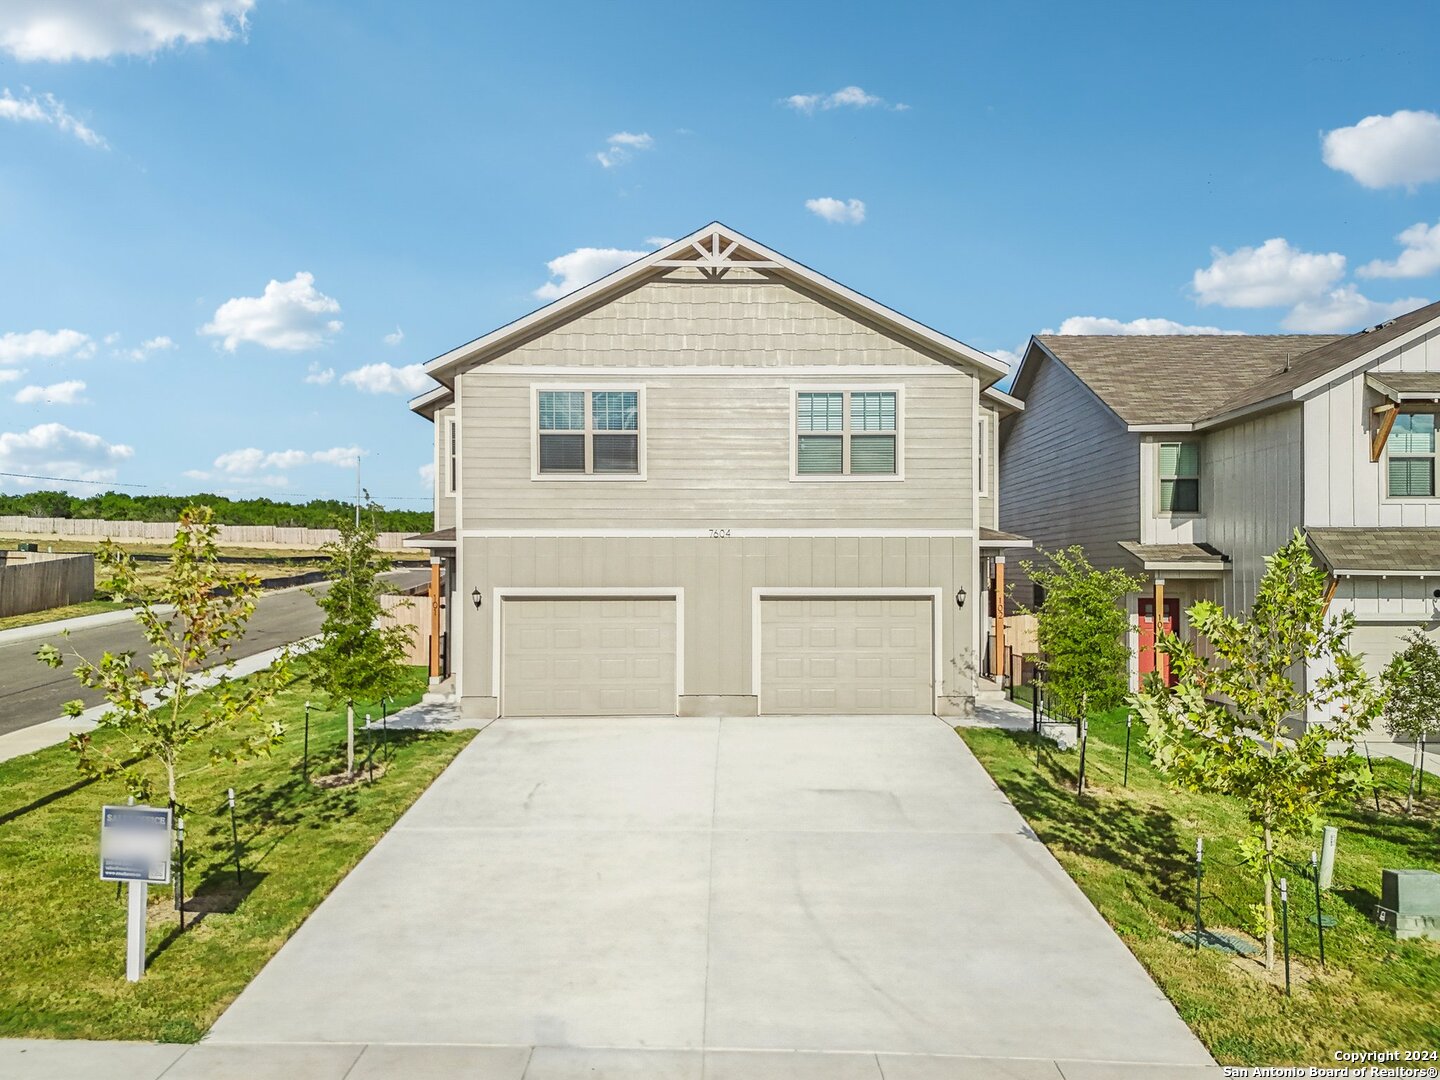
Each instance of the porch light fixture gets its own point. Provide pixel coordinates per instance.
(960, 596)
(476, 598)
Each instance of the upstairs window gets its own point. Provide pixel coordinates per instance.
(1180, 478)
(588, 432)
(452, 457)
(1410, 456)
(847, 433)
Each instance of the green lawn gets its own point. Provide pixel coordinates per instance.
(69, 611)
(1131, 851)
(63, 974)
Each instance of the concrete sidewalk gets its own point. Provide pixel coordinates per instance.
(28, 1059)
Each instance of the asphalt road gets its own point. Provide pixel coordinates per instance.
(31, 693)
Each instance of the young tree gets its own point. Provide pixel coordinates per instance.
(193, 617)
(1081, 631)
(1412, 708)
(1226, 727)
(358, 657)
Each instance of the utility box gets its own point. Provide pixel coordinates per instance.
(1410, 903)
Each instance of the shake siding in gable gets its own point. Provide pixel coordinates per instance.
(1069, 473)
(734, 321)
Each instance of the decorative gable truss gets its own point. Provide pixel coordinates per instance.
(716, 255)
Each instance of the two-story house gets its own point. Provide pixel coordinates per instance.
(1189, 459)
(714, 482)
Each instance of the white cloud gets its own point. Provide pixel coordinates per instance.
(395, 337)
(1399, 150)
(620, 147)
(56, 450)
(147, 347)
(97, 29)
(659, 241)
(319, 376)
(842, 211)
(388, 379)
(1009, 357)
(427, 474)
(61, 393)
(45, 345)
(251, 460)
(1421, 256)
(580, 267)
(48, 109)
(11, 374)
(1344, 310)
(196, 474)
(847, 97)
(1272, 275)
(1097, 324)
(343, 457)
(291, 315)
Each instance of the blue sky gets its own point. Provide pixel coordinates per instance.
(405, 174)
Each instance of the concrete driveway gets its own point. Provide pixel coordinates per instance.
(702, 897)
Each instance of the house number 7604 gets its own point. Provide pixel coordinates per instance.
(719, 534)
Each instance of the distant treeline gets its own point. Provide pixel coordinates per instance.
(112, 506)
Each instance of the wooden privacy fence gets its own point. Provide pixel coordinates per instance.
(162, 532)
(35, 581)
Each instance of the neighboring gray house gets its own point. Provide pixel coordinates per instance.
(714, 482)
(1189, 459)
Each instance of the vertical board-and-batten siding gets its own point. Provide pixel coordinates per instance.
(1343, 487)
(718, 577)
(1250, 492)
(1069, 473)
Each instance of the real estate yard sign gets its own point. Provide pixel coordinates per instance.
(135, 847)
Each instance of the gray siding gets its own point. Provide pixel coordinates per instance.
(718, 456)
(718, 576)
(1069, 473)
(1250, 491)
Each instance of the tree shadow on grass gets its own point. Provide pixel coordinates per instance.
(218, 894)
(1138, 840)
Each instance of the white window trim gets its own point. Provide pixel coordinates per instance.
(450, 457)
(1180, 515)
(606, 477)
(1384, 463)
(764, 592)
(500, 594)
(983, 436)
(847, 388)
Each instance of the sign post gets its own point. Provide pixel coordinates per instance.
(135, 848)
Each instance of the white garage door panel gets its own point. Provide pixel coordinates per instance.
(588, 657)
(1379, 642)
(845, 656)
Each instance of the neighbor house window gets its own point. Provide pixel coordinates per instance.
(1410, 456)
(588, 432)
(1180, 478)
(982, 456)
(846, 433)
(452, 457)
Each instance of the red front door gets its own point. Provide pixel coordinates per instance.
(1147, 636)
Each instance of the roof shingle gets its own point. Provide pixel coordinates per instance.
(1378, 551)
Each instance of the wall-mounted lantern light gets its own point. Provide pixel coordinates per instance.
(476, 598)
(960, 596)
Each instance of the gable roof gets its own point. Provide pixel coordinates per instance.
(714, 251)
(1189, 381)
(1172, 379)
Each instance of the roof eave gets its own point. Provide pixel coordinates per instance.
(442, 368)
(1365, 358)
(1006, 403)
(431, 401)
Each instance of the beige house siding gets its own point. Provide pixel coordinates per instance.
(741, 320)
(1069, 473)
(718, 455)
(718, 577)
(444, 504)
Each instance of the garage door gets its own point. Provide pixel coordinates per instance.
(588, 657)
(1379, 642)
(843, 656)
